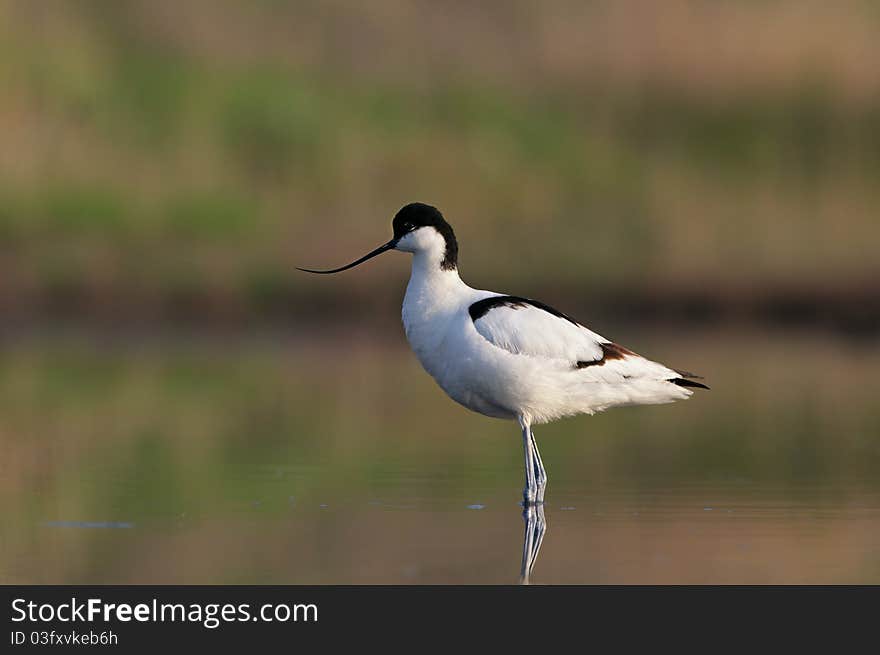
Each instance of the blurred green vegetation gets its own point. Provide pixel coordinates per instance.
(163, 151)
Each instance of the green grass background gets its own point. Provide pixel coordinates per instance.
(156, 152)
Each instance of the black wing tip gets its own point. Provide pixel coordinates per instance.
(681, 382)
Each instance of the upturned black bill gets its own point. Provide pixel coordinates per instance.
(378, 251)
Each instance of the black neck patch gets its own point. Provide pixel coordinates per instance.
(415, 215)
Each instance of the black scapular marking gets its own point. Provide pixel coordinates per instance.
(482, 307)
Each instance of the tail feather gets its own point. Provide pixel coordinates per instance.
(686, 374)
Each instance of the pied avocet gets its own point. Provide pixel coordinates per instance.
(507, 356)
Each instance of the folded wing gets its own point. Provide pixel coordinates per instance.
(528, 327)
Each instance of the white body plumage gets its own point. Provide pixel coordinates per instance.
(516, 360)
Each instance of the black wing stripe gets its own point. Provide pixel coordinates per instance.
(482, 307)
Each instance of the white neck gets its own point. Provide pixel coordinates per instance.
(427, 260)
(432, 293)
(433, 297)
(430, 283)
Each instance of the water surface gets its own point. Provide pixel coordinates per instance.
(300, 460)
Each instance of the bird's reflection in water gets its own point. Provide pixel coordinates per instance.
(535, 527)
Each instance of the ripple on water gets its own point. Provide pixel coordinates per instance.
(117, 525)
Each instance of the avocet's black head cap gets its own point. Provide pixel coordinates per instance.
(415, 215)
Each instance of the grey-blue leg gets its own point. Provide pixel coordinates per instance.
(540, 472)
(535, 527)
(530, 492)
